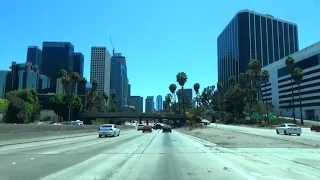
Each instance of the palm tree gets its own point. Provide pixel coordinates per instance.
(66, 82)
(289, 64)
(167, 101)
(62, 73)
(178, 93)
(94, 85)
(265, 79)
(75, 77)
(298, 76)
(220, 90)
(113, 101)
(182, 78)
(196, 88)
(173, 89)
(105, 97)
(232, 81)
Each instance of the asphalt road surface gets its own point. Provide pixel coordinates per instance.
(152, 156)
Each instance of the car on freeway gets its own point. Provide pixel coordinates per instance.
(109, 130)
(146, 128)
(140, 127)
(315, 128)
(289, 129)
(157, 126)
(166, 128)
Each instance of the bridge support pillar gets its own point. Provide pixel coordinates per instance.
(140, 120)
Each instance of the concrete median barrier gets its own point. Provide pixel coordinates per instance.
(23, 133)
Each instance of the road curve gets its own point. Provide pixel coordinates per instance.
(156, 156)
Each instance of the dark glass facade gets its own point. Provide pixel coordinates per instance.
(34, 55)
(187, 93)
(149, 104)
(31, 80)
(78, 63)
(137, 102)
(56, 56)
(3, 82)
(119, 79)
(251, 35)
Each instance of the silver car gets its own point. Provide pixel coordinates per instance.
(140, 127)
(289, 129)
(109, 130)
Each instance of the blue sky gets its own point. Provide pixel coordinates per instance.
(159, 38)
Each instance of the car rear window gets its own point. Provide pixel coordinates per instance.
(106, 127)
(292, 125)
(140, 125)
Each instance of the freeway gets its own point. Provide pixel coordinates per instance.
(156, 155)
(307, 136)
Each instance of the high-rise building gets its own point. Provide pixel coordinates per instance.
(78, 63)
(56, 56)
(251, 35)
(119, 78)
(100, 68)
(137, 102)
(3, 83)
(149, 104)
(278, 90)
(34, 56)
(187, 93)
(129, 90)
(159, 105)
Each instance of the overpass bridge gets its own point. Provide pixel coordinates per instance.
(139, 116)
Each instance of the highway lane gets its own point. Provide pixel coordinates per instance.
(307, 136)
(156, 155)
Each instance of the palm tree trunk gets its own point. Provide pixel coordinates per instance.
(265, 88)
(293, 111)
(184, 107)
(221, 105)
(302, 123)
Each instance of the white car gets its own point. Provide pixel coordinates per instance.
(289, 129)
(109, 130)
(140, 127)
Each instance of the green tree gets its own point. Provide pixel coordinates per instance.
(113, 103)
(298, 76)
(290, 65)
(265, 79)
(3, 105)
(232, 81)
(60, 104)
(182, 78)
(196, 88)
(234, 101)
(220, 90)
(23, 106)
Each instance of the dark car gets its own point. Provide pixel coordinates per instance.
(166, 128)
(315, 128)
(146, 128)
(157, 126)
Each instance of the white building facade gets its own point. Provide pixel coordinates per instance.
(278, 90)
(100, 68)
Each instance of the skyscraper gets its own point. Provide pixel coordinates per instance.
(129, 90)
(56, 56)
(34, 55)
(119, 78)
(251, 35)
(137, 102)
(78, 63)
(3, 83)
(159, 104)
(149, 104)
(187, 93)
(100, 68)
